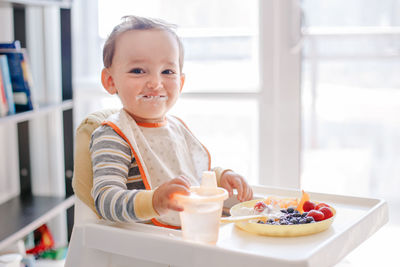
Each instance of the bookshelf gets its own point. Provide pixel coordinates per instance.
(36, 147)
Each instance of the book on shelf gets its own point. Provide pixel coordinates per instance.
(13, 45)
(20, 75)
(6, 79)
(3, 99)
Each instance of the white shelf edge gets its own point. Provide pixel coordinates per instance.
(41, 110)
(69, 202)
(60, 3)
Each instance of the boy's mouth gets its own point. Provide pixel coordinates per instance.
(152, 97)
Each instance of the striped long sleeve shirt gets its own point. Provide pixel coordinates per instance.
(118, 189)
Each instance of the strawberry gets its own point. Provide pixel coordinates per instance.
(320, 205)
(308, 205)
(316, 214)
(327, 212)
(260, 206)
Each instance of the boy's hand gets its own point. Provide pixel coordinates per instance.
(163, 195)
(231, 180)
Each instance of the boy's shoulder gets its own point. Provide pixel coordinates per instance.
(103, 130)
(104, 136)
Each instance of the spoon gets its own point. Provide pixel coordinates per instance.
(233, 219)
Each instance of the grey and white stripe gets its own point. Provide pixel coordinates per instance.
(116, 176)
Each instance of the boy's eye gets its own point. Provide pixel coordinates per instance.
(168, 72)
(136, 71)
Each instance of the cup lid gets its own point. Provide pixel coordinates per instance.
(200, 194)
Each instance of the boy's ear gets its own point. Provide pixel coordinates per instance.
(107, 81)
(182, 81)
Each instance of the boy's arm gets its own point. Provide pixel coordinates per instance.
(143, 204)
(111, 160)
(230, 180)
(219, 172)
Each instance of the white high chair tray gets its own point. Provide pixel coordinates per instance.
(356, 219)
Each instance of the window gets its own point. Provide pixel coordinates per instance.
(350, 100)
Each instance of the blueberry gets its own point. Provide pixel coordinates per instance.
(290, 210)
(283, 210)
(309, 219)
(270, 221)
(304, 214)
(296, 215)
(303, 221)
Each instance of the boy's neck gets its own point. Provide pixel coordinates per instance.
(147, 122)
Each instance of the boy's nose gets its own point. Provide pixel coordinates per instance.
(154, 82)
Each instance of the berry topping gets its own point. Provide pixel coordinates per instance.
(327, 212)
(290, 210)
(260, 206)
(308, 205)
(320, 205)
(309, 219)
(316, 214)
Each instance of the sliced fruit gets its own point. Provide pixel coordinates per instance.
(308, 205)
(327, 212)
(288, 202)
(304, 197)
(282, 203)
(271, 200)
(320, 205)
(316, 214)
(260, 206)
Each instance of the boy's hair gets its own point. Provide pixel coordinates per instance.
(138, 23)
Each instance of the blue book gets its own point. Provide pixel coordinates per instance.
(7, 84)
(20, 78)
(14, 45)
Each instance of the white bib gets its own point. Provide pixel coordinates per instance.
(163, 153)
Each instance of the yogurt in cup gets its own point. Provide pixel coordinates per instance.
(200, 219)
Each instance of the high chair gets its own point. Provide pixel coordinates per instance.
(80, 254)
(96, 242)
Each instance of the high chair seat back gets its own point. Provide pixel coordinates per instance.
(80, 254)
(82, 181)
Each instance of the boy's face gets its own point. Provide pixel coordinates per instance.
(145, 73)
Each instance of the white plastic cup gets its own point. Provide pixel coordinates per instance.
(200, 219)
(10, 260)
